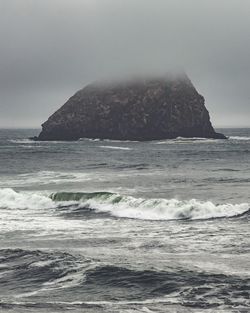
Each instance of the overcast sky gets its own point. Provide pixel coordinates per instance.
(51, 48)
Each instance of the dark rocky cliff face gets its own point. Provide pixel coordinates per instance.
(145, 109)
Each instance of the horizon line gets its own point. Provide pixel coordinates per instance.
(38, 128)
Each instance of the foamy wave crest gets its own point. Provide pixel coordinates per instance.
(151, 209)
(239, 138)
(107, 140)
(185, 140)
(35, 142)
(115, 147)
(14, 200)
(22, 141)
(89, 139)
(46, 178)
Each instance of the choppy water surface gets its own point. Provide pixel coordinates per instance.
(109, 226)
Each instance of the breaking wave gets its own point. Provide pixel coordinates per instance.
(115, 148)
(122, 206)
(151, 209)
(11, 199)
(185, 140)
(22, 141)
(239, 138)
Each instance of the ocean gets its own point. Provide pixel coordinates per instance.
(109, 226)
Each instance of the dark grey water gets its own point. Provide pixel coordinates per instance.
(109, 226)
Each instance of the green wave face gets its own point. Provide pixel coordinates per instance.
(77, 196)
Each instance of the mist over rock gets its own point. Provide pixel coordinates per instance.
(139, 109)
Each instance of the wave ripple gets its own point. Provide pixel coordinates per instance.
(43, 274)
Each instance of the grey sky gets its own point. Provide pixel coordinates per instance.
(51, 48)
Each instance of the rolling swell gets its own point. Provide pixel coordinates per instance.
(150, 209)
(34, 274)
(190, 288)
(27, 271)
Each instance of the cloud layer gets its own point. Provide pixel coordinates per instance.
(51, 48)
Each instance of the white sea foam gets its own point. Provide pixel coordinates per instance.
(35, 142)
(33, 146)
(105, 303)
(45, 178)
(107, 140)
(192, 138)
(115, 147)
(89, 139)
(163, 209)
(15, 200)
(239, 138)
(33, 212)
(22, 141)
(187, 140)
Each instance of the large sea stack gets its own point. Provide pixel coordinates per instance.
(141, 109)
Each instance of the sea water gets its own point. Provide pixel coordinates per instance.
(114, 226)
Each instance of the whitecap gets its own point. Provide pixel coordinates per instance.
(163, 209)
(14, 200)
(183, 140)
(239, 138)
(22, 141)
(108, 140)
(115, 147)
(45, 178)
